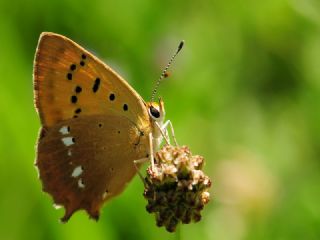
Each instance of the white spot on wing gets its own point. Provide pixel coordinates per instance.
(104, 195)
(64, 130)
(67, 141)
(77, 172)
(56, 206)
(80, 183)
(69, 152)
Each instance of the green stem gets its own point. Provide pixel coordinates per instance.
(178, 232)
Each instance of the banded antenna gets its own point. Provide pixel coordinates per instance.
(164, 72)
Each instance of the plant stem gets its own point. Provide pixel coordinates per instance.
(178, 233)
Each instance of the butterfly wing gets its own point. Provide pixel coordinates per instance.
(84, 162)
(70, 82)
(94, 126)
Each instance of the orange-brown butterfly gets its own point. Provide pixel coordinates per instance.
(94, 126)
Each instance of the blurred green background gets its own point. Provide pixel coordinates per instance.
(244, 93)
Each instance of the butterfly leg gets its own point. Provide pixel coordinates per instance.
(164, 131)
(151, 151)
(138, 162)
(165, 126)
(146, 159)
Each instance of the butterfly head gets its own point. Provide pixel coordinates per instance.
(156, 111)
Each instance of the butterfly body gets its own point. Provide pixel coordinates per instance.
(94, 125)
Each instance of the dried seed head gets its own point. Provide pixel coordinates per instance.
(176, 189)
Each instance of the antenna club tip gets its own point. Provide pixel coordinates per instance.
(181, 45)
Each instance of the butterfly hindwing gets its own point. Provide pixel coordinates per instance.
(86, 161)
(71, 82)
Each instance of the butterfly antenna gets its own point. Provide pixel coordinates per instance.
(164, 72)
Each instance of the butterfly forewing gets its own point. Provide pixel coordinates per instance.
(70, 82)
(83, 162)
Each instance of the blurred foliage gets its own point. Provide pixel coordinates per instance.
(244, 93)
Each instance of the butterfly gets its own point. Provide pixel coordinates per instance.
(95, 126)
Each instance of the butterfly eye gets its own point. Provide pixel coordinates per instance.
(154, 112)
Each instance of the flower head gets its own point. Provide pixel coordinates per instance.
(176, 189)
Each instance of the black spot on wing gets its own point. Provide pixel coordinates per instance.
(112, 97)
(73, 67)
(74, 99)
(69, 76)
(78, 89)
(96, 85)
